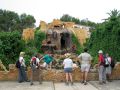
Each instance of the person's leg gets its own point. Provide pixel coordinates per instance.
(40, 75)
(87, 68)
(25, 74)
(100, 70)
(20, 79)
(32, 74)
(50, 65)
(66, 77)
(86, 74)
(109, 74)
(22, 73)
(70, 75)
(83, 77)
(82, 73)
(104, 74)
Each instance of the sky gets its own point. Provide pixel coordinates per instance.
(47, 10)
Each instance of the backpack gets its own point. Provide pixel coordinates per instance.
(34, 62)
(112, 63)
(17, 64)
(106, 62)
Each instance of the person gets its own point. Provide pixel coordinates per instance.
(48, 58)
(108, 68)
(34, 63)
(68, 65)
(22, 73)
(101, 68)
(85, 65)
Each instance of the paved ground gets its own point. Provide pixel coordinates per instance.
(9, 85)
(114, 85)
(93, 85)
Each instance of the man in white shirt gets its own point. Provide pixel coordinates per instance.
(85, 65)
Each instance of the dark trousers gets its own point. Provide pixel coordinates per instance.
(22, 76)
(34, 71)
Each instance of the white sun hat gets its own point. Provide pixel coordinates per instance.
(67, 55)
(100, 51)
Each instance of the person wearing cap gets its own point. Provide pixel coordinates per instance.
(85, 65)
(35, 68)
(68, 65)
(101, 68)
(22, 73)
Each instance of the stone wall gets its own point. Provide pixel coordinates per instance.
(56, 75)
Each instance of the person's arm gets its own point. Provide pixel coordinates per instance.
(42, 58)
(90, 61)
(64, 63)
(99, 60)
(80, 58)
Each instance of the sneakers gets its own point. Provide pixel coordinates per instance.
(67, 83)
(40, 82)
(27, 81)
(104, 82)
(85, 83)
(100, 83)
(81, 82)
(20, 81)
(31, 84)
(71, 83)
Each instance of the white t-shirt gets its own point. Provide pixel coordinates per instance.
(22, 61)
(85, 58)
(68, 63)
(37, 60)
(108, 60)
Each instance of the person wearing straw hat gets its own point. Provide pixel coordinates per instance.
(68, 65)
(22, 74)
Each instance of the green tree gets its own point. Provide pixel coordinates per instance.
(8, 20)
(27, 21)
(11, 21)
(107, 36)
(68, 18)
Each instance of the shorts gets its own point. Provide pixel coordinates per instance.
(67, 70)
(85, 67)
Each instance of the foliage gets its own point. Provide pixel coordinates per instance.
(33, 47)
(76, 42)
(11, 21)
(107, 36)
(27, 21)
(68, 18)
(10, 46)
(39, 37)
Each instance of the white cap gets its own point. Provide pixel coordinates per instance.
(100, 51)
